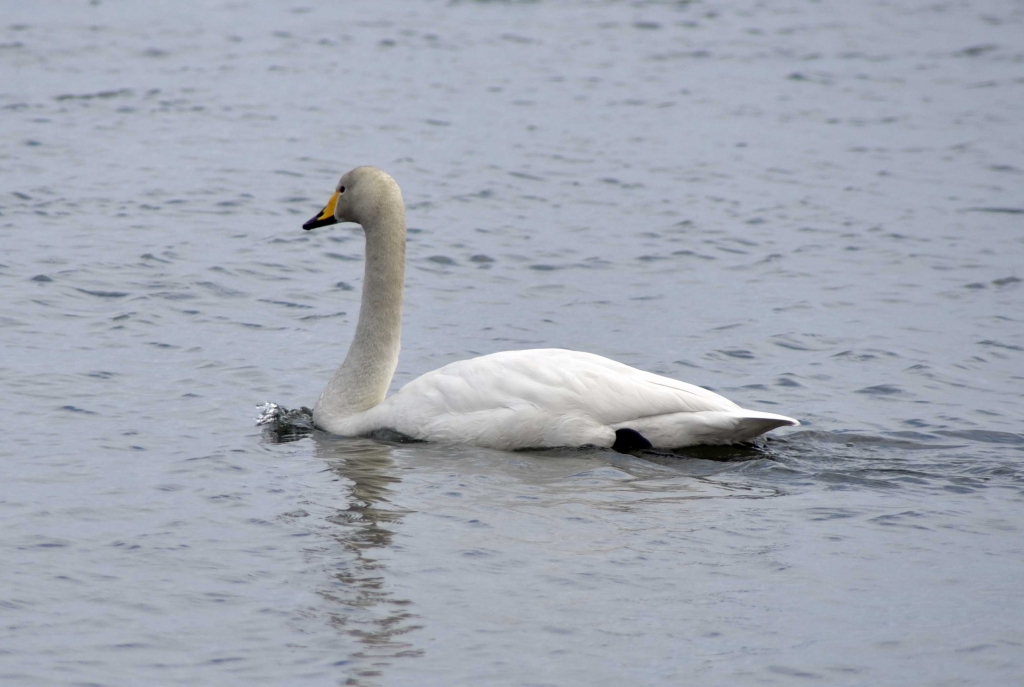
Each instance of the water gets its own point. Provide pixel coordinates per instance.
(814, 208)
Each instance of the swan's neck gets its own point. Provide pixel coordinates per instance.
(363, 379)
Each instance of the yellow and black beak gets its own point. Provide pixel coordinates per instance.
(326, 217)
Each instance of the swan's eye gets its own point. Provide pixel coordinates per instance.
(341, 189)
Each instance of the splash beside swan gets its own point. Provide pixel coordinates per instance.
(510, 400)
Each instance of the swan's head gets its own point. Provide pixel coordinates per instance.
(360, 196)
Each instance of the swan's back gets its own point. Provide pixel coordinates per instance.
(561, 381)
(555, 397)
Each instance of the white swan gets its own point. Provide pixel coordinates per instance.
(511, 400)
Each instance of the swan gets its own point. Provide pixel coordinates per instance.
(540, 398)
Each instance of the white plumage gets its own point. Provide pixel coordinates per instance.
(555, 397)
(510, 400)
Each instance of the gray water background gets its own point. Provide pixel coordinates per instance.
(814, 208)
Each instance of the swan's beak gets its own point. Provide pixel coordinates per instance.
(326, 217)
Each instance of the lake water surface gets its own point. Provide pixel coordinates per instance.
(816, 209)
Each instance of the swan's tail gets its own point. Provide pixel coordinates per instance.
(753, 423)
(677, 430)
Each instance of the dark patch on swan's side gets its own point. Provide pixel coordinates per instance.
(629, 440)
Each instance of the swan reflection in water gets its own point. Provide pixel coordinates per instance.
(361, 517)
(361, 606)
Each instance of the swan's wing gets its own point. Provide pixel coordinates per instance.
(539, 398)
(560, 381)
